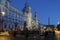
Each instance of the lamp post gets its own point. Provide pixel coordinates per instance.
(3, 14)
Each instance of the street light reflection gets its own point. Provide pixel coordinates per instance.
(4, 38)
(57, 33)
(4, 33)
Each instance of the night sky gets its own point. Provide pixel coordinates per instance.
(44, 8)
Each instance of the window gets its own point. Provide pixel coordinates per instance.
(5, 25)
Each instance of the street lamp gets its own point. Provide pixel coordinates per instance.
(3, 13)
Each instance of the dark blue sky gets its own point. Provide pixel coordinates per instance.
(44, 8)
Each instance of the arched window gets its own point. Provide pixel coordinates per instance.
(5, 26)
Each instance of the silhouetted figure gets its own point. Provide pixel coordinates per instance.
(53, 33)
(26, 33)
(14, 34)
(46, 33)
(25, 30)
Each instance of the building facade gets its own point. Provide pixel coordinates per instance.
(12, 18)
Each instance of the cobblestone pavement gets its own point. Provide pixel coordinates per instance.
(50, 36)
(30, 37)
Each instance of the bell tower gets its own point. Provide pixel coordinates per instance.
(27, 16)
(36, 21)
